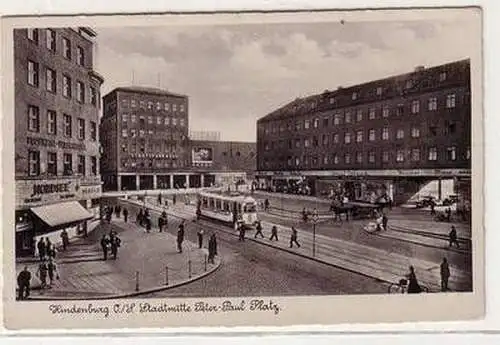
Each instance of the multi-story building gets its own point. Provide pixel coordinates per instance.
(56, 132)
(387, 136)
(144, 138)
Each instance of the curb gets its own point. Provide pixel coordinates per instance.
(132, 294)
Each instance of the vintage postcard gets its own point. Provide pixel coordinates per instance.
(242, 169)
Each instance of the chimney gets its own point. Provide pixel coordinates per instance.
(419, 68)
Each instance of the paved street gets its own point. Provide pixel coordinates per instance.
(347, 245)
(251, 269)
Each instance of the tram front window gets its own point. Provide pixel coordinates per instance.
(250, 208)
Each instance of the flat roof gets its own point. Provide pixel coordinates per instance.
(147, 90)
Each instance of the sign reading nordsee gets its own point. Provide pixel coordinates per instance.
(49, 188)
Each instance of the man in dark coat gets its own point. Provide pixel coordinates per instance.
(266, 205)
(293, 238)
(41, 248)
(212, 248)
(241, 230)
(104, 246)
(64, 238)
(453, 237)
(115, 244)
(160, 224)
(259, 230)
(23, 282)
(125, 214)
(274, 233)
(180, 237)
(200, 238)
(413, 286)
(445, 275)
(385, 220)
(174, 199)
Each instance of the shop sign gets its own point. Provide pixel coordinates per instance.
(90, 192)
(36, 192)
(55, 143)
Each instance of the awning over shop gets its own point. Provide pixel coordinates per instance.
(62, 213)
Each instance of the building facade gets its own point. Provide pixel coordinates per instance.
(383, 137)
(144, 138)
(57, 94)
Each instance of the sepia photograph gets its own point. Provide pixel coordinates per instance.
(215, 167)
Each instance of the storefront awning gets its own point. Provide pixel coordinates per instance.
(62, 213)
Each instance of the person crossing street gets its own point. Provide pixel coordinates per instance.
(23, 283)
(445, 275)
(293, 238)
(180, 237)
(274, 233)
(453, 237)
(259, 230)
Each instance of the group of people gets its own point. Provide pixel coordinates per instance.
(117, 210)
(110, 242)
(144, 219)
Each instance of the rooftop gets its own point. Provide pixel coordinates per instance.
(148, 90)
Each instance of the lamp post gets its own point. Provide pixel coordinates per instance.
(315, 220)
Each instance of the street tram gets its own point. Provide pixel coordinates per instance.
(231, 208)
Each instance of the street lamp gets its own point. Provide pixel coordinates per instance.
(315, 220)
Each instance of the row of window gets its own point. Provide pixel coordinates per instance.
(142, 133)
(51, 44)
(169, 151)
(158, 106)
(414, 155)
(357, 136)
(52, 164)
(67, 84)
(167, 120)
(348, 116)
(81, 133)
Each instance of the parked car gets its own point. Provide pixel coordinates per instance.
(450, 200)
(426, 201)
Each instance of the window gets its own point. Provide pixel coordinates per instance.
(433, 130)
(359, 116)
(354, 96)
(33, 35)
(150, 105)
(66, 48)
(159, 120)
(415, 132)
(400, 134)
(52, 163)
(432, 154)
(415, 155)
(297, 143)
(335, 138)
(81, 129)
(182, 108)
(124, 117)
(34, 163)
(347, 117)
(371, 135)
(432, 104)
(150, 120)
(93, 96)
(307, 142)
(67, 164)
(133, 118)
(336, 119)
(379, 91)
(324, 140)
(182, 122)
(80, 58)
(306, 124)
(347, 158)
(451, 127)
(167, 121)
(316, 123)
(297, 161)
(133, 103)
(385, 111)
(174, 121)
(325, 122)
(51, 40)
(166, 107)
(124, 133)
(371, 157)
(51, 122)
(400, 156)
(335, 159)
(371, 114)
(133, 133)
(93, 131)
(93, 165)
(67, 126)
(359, 157)
(450, 101)
(174, 107)
(80, 92)
(81, 165)
(359, 136)
(347, 138)
(50, 80)
(409, 84)
(142, 104)
(451, 153)
(385, 156)
(385, 133)
(66, 86)
(332, 100)
(442, 76)
(415, 107)
(141, 132)
(33, 118)
(400, 109)
(158, 106)
(33, 77)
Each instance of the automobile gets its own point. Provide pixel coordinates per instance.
(450, 200)
(426, 201)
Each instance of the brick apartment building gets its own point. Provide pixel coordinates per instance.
(388, 136)
(57, 94)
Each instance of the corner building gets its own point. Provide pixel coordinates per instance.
(57, 92)
(145, 139)
(389, 136)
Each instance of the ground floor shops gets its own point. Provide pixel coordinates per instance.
(396, 186)
(45, 207)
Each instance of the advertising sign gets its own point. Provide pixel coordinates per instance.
(202, 155)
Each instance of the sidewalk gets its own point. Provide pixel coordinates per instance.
(84, 274)
(373, 262)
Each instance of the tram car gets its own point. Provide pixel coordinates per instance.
(231, 208)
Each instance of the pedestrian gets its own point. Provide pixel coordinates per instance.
(118, 211)
(274, 233)
(180, 237)
(104, 245)
(259, 230)
(23, 283)
(147, 221)
(293, 238)
(42, 273)
(241, 230)
(51, 269)
(159, 199)
(445, 275)
(139, 217)
(266, 205)
(453, 237)
(385, 220)
(64, 239)
(115, 244)
(448, 215)
(165, 220)
(160, 223)
(413, 286)
(200, 238)
(433, 210)
(125, 214)
(174, 199)
(304, 215)
(48, 247)
(41, 248)
(109, 214)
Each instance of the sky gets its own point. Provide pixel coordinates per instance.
(236, 74)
